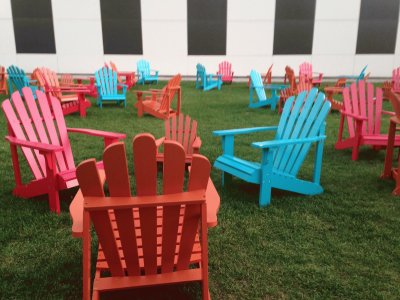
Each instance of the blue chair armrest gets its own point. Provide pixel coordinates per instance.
(243, 130)
(286, 142)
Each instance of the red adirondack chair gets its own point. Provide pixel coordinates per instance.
(3, 81)
(362, 112)
(184, 131)
(306, 72)
(267, 79)
(225, 70)
(39, 129)
(130, 77)
(158, 103)
(72, 98)
(148, 239)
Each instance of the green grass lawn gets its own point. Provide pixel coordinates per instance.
(342, 244)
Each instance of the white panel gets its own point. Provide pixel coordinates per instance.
(333, 65)
(250, 38)
(8, 59)
(337, 9)
(5, 9)
(82, 64)
(123, 62)
(397, 49)
(251, 10)
(76, 9)
(378, 65)
(334, 37)
(281, 61)
(163, 10)
(7, 42)
(242, 65)
(396, 61)
(210, 62)
(29, 62)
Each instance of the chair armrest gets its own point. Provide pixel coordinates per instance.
(279, 143)
(160, 141)
(243, 130)
(42, 147)
(357, 117)
(122, 84)
(275, 86)
(99, 133)
(389, 113)
(196, 143)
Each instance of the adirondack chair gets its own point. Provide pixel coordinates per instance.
(306, 71)
(107, 87)
(302, 123)
(289, 92)
(207, 81)
(68, 80)
(396, 80)
(72, 98)
(184, 131)
(225, 70)
(18, 79)
(3, 81)
(146, 75)
(145, 240)
(267, 77)
(39, 129)
(362, 112)
(334, 90)
(130, 77)
(159, 102)
(259, 88)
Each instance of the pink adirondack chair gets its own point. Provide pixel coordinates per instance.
(3, 81)
(148, 239)
(306, 72)
(39, 129)
(184, 131)
(362, 112)
(225, 70)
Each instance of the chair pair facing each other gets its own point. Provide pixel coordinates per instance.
(107, 87)
(302, 125)
(149, 239)
(145, 74)
(39, 129)
(207, 81)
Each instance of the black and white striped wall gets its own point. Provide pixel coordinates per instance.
(76, 36)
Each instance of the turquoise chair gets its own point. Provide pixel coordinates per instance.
(257, 87)
(145, 73)
(107, 87)
(302, 125)
(207, 81)
(17, 79)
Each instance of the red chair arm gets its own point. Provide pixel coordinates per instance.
(197, 143)
(99, 133)
(42, 147)
(389, 113)
(357, 117)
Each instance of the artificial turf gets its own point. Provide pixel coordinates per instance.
(342, 244)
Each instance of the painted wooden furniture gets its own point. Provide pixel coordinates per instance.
(72, 98)
(127, 78)
(389, 170)
(207, 81)
(337, 89)
(267, 77)
(17, 80)
(149, 239)
(362, 112)
(306, 71)
(184, 131)
(3, 81)
(70, 81)
(39, 129)
(293, 89)
(257, 87)
(225, 70)
(158, 103)
(302, 125)
(107, 87)
(145, 74)
(396, 80)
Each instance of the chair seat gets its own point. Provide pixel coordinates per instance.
(69, 98)
(67, 179)
(113, 97)
(246, 170)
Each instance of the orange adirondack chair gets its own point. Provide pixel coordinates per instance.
(184, 131)
(267, 79)
(72, 98)
(225, 70)
(362, 112)
(3, 81)
(148, 239)
(130, 77)
(39, 129)
(158, 103)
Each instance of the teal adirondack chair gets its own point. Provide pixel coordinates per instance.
(207, 81)
(355, 78)
(145, 73)
(18, 79)
(302, 124)
(257, 86)
(107, 87)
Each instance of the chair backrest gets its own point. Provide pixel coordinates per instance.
(201, 71)
(225, 68)
(66, 80)
(289, 75)
(169, 92)
(182, 130)
(305, 72)
(2, 75)
(257, 85)
(143, 67)
(148, 229)
(106, 81)
(268, 76)
(304, 85)
(394, 100)
(341, 82)
(52, 83)
(114, 68)
(39, 121)
(362, 73)
(396, 80)
(359, 100)
(17, 77)
(302, 117)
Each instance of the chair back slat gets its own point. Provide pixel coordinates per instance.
(257, 85)
(52, 82)
(291, 78)
(268, 76)
(396, 80)
(225, 68)
(106, 80)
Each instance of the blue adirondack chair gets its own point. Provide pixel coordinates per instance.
(17, 79)
(257, 86)
(301, 125)
(145, 73)
(207, 81)
(355, 78)
(107, 87)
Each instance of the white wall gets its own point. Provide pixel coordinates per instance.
(250, 35)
